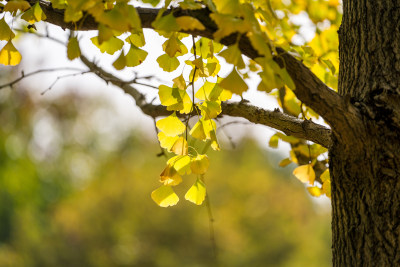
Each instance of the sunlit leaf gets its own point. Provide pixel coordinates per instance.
(180, 147)
(170, 176)
(165, 196)
(197, 193)
(136, 38)
(315, 191)
(199, 164)
(305, 173)
(181, 164)
(9, 55)
(180, 82)
(210, 109)
(171, 125)
(166, 141)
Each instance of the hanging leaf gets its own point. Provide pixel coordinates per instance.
(234, 83)
(73, 50)
(6, 34)
(170, 176)
(197, 193)
(120, 62)
(34, 14)
(199, 164)
(165, 196)
(171, 125)
(110, 46)
(180, 147)
(168, 63)
(135, 56)
(166, 141)
(305, 174)
(9, 55)
(233, 55)
(16, 5)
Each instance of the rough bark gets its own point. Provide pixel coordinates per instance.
(365, 179)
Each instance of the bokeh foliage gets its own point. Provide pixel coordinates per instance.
(74, 194)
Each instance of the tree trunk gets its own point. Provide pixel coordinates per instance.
(365, 155)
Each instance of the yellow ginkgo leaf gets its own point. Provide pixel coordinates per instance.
(180, 82)
(233, 55)
(227, 6)
(210, 109)
(135, 56)
(326, 188)
(170, 176)
(105, 33)
(120, 62)
(9, 55)
(171, 125)
(34, 14)
(165, 196)
(197, 193)
(6, 34)
(234, 83)
(181, 164)
(73, 50)
(315, 191)
(110, 46)
(189, 23)
(136, 38)
(198, 131)
(166, 141)
(305, 173)
(168, 63)
(285, 162)
(174, 47)
(199, 164)
(180, 147)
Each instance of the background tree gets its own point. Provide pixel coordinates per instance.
(362, 114)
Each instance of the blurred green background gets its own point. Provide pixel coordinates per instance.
(75, 191)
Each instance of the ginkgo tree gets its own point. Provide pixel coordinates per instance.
(355, 92)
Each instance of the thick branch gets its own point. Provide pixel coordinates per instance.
(288, 124)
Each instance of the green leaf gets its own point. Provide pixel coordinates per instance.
(168, 63)
(6, 34)
(34, 14)
(197, 193)
(171, 125)
(136, 38)
(110, 46)
(120, 62)
(165, 196)
(73, 50)
(135, 56)
(166, 23)
(233, 55)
